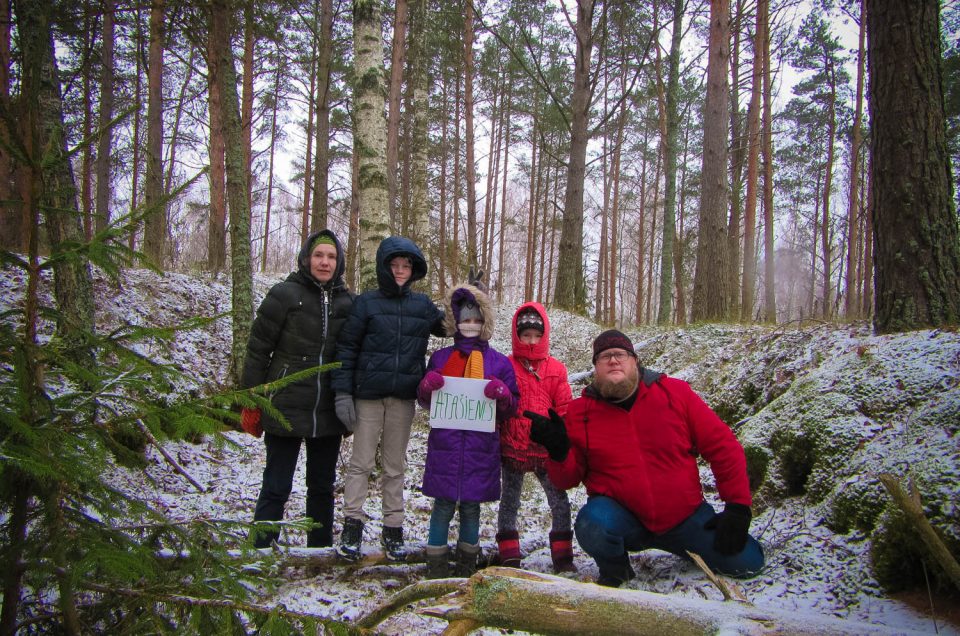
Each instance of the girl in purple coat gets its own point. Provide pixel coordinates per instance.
(463, 467)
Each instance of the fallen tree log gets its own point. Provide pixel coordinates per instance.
(543, 603)
(909, 503)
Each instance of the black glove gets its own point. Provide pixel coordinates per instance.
(550, 432)
(731, 527)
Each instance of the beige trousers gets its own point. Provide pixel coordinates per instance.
(385, 423)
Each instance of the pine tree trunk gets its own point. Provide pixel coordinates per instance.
(105, 141)
(308, 153)
(852, 301)
(641, 229)
(665, 311)
(748, 284)
(278, 74)
(419, 202)
(825, 236)
(155, 224)
(442, 251)
(769, 279)
(571, 287)
(393, 118)
(471, 168)
(217, 219)
(915, 223)
(137, 127)
(709, 286)
(321, 180)
(240, 268)
(370, 135)
(738, 154)
(86, 126)
(13, 224)
(246, 100)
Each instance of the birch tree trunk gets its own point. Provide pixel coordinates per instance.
(370, 135)
(278, 74)
(709, 283)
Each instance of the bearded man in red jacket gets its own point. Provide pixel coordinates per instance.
(632, 439)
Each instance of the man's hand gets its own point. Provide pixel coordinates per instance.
(346, 411)
(250, 421)
(732, 526)
(550, 432)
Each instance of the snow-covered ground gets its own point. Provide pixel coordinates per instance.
(874, 393)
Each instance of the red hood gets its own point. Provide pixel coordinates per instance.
(537, 351)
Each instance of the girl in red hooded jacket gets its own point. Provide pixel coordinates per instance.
(543, 384)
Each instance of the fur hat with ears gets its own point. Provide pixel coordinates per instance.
(465, 295)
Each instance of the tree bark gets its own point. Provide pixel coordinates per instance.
(278, 74)
(155, 224)
(665, 312)
(571, 287)
(471, 168)
(13, 219)
(915, 223)
(519, 600)
(105, 140)
(393, 117)
(852, 299)
(321, 180)
(748, 284)
(419, 202)
(769, 281)
(370, 135)
(240, 266)
(217, 219)
(247, 96)
(709, 285)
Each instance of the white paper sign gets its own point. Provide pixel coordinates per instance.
(461, 404)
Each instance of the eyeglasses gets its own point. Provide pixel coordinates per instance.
(608, 356)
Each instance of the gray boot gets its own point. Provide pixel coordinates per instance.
(438, 561)
(467, 554)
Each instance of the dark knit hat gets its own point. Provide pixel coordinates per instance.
(529, 319)
(612, 339)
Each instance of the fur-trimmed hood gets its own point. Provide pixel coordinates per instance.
(455, 297)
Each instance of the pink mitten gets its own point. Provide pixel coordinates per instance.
(430, 383)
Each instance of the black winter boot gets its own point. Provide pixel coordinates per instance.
(438, 561)
(392, 541)
(467, 554)
(350, 539)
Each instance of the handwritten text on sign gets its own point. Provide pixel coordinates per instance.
(461, 404)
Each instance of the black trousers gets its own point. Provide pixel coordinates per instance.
(282, 454)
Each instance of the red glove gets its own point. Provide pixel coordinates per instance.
(250, 421)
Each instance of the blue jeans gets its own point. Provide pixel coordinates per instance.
(282, 454)
(442, 515)
(607, 532)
